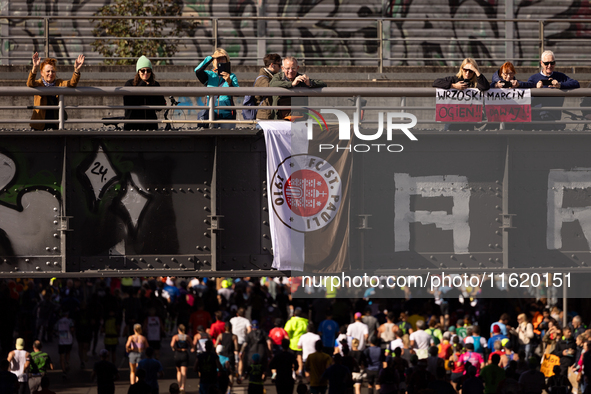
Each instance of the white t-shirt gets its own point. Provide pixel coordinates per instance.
(396, 343)
(358, 330)
(240, 325)
(307, 343)
(422, 339)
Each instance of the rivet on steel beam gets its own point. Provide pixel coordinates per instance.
(16, 268)
(55, 222)
(451, 257)
(265, 209)
(497, 259)
(56, 235)
(172, 259)
(490, 259)
(190, 258)
(48, 263)
(206, 234)
(265, 236)
(431, 257)
(26, 260)
(490, 245)
(206, 183)
(265, 248)
(147, 189)
(55, 263)
(142, 260)
(265, 222)
(472, 257)
(38, 268)
(497, 207)
(498, 232)
(47, 248)
(150, 266)
(181, 265)
(55, 209)
(496, 245)
(481, 265)
(55, 248)
(165, 265)
(264, 194)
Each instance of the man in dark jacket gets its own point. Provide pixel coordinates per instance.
(290, 78)
(272, 66)
(566, 348)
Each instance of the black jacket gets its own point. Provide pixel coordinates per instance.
(142, 113)
(445, 83)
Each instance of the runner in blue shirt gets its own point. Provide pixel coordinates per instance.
(328, 330)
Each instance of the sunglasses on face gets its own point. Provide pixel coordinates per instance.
(549, 63)
(468, 70)
(145, 71)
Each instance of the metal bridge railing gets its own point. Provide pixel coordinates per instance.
(354, 94)
(212, 35)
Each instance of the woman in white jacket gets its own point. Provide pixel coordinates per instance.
(525, 333)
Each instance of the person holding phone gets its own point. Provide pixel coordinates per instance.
(550, 78)
(220, 76)
(505, 78)
(467, 77)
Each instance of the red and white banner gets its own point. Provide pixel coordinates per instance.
(308, 197)
(458, 105)
(508, 105)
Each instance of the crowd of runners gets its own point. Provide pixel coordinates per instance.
(251, 332)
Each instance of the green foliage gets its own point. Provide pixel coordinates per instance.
(109, 29)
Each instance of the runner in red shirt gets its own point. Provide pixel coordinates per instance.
(277, 334)
(218, 327)
(198, 318)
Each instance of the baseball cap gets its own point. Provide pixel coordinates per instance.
(357, 315)
(20, 344)
(255, 324)
(496, 329)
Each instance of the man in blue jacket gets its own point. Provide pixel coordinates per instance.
(554, 80)
(558, 80)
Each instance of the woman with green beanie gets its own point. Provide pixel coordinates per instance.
(144, 77)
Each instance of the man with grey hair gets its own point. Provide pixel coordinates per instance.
(288, 78)
(553, 78)
(577, 326)
(420, 340)
(548, 78)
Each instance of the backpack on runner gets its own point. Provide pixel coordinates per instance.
(251, 114)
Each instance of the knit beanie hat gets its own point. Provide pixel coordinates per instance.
(143, 62)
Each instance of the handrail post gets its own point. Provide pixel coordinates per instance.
(358, 110)
(46, 37)
(211, 113)
(62, 111)
(214, 26)
(381, 45)
(541, 38)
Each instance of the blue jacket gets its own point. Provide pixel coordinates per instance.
(522, 85)
(212, 79)
(565, 81)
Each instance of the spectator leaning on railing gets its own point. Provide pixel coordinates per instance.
(289, 78)
(48, 79)
(467, 77)
(505, 78)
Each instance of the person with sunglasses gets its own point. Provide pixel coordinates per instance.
(555, 79)
(220, 76)
(506, 75)
(467, 77)
(548, 78)
(144, 77)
